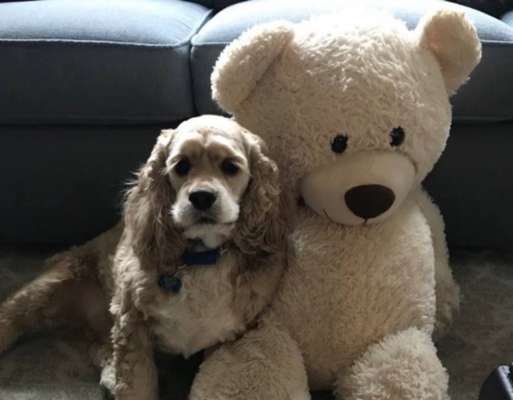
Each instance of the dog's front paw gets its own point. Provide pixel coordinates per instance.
(106, 393)
(107, 382)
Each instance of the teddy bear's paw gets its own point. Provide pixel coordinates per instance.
(403, 366)
(265, 363)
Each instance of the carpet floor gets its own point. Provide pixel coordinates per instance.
(50, 368)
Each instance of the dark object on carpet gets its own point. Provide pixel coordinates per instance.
(499, 385)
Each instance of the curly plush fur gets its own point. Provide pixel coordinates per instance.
(349, 102)
(121, 267)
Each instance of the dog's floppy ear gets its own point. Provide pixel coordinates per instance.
(453, 40)
(262, 224)
(244, 61)
(147, 217)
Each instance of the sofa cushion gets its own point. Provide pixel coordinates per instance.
(486, 97)
(63, 184)
(97, 61)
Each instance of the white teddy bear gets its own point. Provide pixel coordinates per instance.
(356, 111)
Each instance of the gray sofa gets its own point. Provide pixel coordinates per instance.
(87, 85)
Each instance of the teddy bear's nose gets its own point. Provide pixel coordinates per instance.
(369, 201)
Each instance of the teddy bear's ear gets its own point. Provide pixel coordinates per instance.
(453, 40)
(244, 61)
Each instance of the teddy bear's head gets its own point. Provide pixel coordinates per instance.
(355, 108)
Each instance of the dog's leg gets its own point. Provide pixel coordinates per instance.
(102, 357)
(402, 366)
(67, 293)
(265, 363)
(133, 369)
(39, 304)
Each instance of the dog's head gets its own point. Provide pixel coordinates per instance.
(209, 169)
(208, 179)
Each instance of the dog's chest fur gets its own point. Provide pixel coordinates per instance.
(202, 313)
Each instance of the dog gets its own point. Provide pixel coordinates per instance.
(197, 256)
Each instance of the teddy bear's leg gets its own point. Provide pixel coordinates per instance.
(403, 366)
(447, 290)
(265, 363)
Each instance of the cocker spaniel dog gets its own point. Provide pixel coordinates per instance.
(196, 258)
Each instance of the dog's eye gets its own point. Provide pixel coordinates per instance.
(396, 136)
(339, 144)
(229, 167)
(182, 167)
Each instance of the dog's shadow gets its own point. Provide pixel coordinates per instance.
(176, 375)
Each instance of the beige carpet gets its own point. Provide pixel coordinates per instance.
(482, 337)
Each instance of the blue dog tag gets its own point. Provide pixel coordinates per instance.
(170, 283)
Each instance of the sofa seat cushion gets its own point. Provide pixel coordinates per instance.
(97, 61)
(487, 97)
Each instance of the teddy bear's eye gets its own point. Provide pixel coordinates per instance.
(396, 136)
(339, 144)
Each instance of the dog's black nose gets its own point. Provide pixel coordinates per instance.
(369, 201)
(202, 200)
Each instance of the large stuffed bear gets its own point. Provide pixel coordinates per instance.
(356, 110)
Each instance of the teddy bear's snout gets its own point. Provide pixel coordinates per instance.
(369, 201)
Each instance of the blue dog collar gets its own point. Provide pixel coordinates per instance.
(170, 283)
(208, 257)
(173, 283)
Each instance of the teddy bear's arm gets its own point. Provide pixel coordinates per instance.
(402, 366)
(447, 290)
(265, 363)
